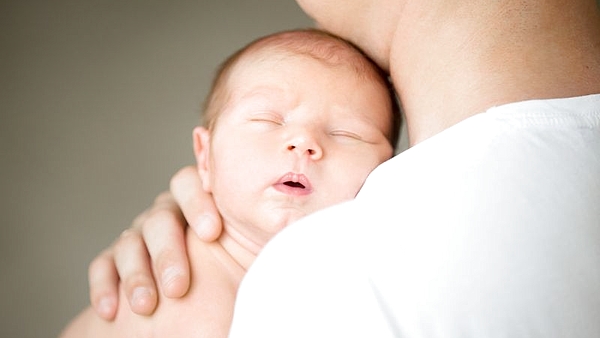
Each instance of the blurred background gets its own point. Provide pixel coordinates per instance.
(97, 104)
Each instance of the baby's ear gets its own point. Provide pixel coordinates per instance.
(201, 138)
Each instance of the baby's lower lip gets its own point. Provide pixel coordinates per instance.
(291, 190)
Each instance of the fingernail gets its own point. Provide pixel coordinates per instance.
(106, 305)
(169, 275)
(204, 224)
(141, 295)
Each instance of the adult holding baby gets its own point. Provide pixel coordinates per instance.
(489, 224)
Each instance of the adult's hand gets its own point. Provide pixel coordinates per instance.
(153, 249)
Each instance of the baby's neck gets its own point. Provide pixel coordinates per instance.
(242, 250)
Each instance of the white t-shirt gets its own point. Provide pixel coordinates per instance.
(489, 229)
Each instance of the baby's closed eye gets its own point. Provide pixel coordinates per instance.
(346, 134)
(267, 117)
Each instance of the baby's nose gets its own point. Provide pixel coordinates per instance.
(306, 146)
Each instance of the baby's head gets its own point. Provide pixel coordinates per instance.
(294, 123)
(313, 43)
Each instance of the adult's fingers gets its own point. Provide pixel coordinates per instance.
(133, 265)
(164, 235)
(104, 282)
(197, 206)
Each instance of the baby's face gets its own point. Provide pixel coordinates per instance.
(294, 136)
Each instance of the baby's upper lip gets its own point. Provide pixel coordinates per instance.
(295, 180)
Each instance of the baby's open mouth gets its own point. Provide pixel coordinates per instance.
(294, 184)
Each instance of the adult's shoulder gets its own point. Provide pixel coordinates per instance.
(308, 282)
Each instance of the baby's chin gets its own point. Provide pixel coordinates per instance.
(281, 219)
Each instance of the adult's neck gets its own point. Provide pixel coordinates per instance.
(450, 60)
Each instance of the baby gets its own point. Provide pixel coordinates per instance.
(294, 122)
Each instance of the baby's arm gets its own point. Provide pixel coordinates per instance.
(155, 242)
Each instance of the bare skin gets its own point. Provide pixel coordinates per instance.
(308, 129)
(449, 60)
(220, 288)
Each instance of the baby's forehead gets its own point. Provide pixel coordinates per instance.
(266, 64)
(277, 73)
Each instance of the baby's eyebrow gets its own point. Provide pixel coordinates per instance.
(263, 92)
(268, 98)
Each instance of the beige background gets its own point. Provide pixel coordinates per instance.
(97, 104)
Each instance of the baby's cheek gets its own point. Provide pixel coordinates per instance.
(348, 188)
